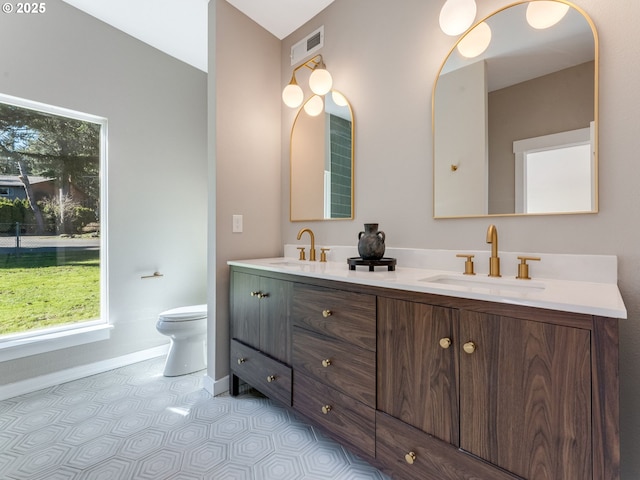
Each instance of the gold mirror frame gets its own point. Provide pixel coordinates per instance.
(309, 151)
(455, 166)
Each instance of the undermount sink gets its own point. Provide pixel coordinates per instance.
(495, 285)
(303, 265)
(284, 263)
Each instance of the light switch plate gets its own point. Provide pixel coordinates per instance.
(237, 224)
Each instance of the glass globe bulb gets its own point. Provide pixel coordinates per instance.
(544, 14)
(292, 95)
(314, 106)
(457, 15)
(320, 81)
(339, 99)
(476, 41)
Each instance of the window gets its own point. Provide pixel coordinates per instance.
(51, 239)
(556, 173)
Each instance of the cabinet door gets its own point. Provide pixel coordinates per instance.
(275, 328)
(245, 308)
(525, 396)
(260, 314)
(417, 380)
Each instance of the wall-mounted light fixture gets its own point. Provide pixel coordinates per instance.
(457, 16)
(339, 99)
(475, 41)
(545, 14)
(320, 83)
(314, 106)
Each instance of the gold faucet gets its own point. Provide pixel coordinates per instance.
(312, 252)
(494, 261)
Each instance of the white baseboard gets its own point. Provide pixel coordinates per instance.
(216, 387)
(45, 381)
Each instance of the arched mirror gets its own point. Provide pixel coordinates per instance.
(322, 160)
(515, 127)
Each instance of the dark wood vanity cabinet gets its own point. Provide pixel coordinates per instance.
(420, 393)
(260, 350)
(415, 341)
(433, 387)
(334, 363)
(514, 390)
(260, 310)
(525, 395)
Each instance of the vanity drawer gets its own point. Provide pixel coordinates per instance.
(408, 453)
(348, 316)
(348, 420)
(349, 369)
(265, 374)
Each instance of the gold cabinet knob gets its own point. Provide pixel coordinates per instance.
(469, 347)
(271, 378)
(326, 363)
(326, 313)
(326, 409)
(241, 360)
(255, 294)
(410, 458)
(445, 342)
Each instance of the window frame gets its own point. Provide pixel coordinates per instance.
(25, 344)
(570, 138)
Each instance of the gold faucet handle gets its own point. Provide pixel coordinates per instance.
(323, 254)
(302, 255)
(468, 264)
(523, 267)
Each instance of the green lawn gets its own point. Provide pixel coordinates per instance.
(40, 290)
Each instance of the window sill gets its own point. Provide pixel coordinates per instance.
(33, 345)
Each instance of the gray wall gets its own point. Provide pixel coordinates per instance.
(244, 103)
(156, 109)
(384, 56)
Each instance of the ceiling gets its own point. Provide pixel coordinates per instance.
(179, 27)
(280, 17)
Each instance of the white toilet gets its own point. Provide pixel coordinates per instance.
(187, 328)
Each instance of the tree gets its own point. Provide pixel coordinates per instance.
(64, 149)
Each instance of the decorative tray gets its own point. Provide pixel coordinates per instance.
(390, 263)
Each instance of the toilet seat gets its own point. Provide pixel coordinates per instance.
(184, 314)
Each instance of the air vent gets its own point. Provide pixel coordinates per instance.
(308, 45)
(314, 41)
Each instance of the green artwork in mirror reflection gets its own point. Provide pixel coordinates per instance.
(321, 162)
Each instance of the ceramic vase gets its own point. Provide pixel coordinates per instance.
(371, 242)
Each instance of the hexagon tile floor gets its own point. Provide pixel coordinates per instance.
(134, 424)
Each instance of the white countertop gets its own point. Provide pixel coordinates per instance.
(587, 297)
